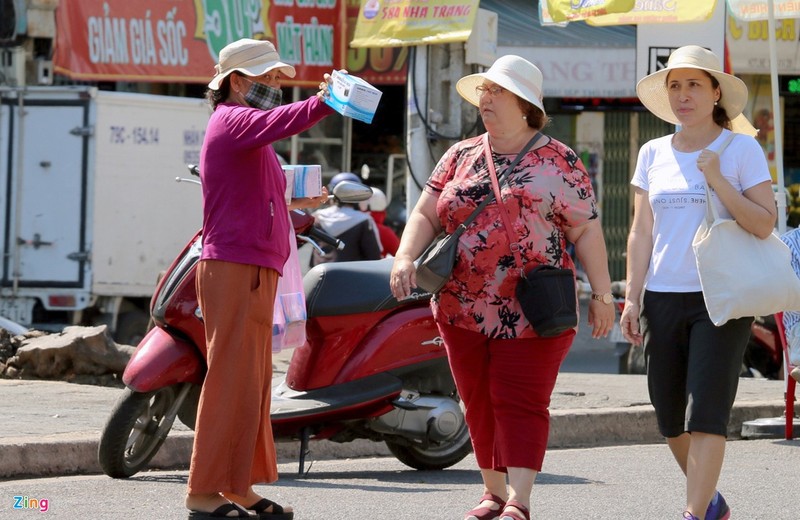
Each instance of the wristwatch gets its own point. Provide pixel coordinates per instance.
(605, 297)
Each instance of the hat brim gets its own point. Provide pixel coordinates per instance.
(255, 70)
(466, 88)
(652, 92)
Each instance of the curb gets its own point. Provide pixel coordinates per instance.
(71, 454)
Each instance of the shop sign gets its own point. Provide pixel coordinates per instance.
(582, 73)
(748, 44)
(559, 11)
(397, 23)
(614, 12)
(376, 65)
(759, 9)
(179, 40)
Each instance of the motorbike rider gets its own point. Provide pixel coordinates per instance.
(349, 224)
(376, 206)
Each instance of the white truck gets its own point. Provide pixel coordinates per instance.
(90, 209)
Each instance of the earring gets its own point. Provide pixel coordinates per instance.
(716, 103)
(525, 118)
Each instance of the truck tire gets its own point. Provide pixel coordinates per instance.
(135, 431)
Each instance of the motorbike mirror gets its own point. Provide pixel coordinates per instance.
(350, 192)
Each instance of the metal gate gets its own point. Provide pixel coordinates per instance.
(625, 133)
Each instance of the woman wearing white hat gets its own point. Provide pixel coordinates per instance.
(245, 246)
(504, 372)
(692, 366)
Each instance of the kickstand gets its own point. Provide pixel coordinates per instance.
(304, 435)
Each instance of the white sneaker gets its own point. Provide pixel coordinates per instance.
(795, 373)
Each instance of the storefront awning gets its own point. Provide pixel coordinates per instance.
(604, 64)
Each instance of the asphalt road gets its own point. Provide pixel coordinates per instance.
(759, 480)
(589, 355)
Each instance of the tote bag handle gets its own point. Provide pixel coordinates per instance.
(711, 211)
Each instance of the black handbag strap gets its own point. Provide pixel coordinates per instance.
(490, 197)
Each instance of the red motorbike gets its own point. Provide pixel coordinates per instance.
(371, 367)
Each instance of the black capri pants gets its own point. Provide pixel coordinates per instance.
(693, 366)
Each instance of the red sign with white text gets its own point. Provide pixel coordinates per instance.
(179, 40)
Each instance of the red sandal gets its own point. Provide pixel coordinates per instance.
(522, 514)
(485, 512)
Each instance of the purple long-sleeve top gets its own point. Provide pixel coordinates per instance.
(245, 219)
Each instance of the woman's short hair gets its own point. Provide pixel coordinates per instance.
(533, 115)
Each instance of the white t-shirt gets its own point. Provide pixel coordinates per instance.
(676, 192)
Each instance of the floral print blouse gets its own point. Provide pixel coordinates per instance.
(547, 193)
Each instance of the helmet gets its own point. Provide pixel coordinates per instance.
(375, 203)
(344, 176)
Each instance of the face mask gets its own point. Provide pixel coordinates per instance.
(263, 96)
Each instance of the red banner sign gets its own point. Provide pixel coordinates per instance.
(179, 40)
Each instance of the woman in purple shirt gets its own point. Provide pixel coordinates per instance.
(245, 245)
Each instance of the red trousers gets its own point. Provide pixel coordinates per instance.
(506, 385)
(233, 444)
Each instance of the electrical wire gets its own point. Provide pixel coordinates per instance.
(430, 130)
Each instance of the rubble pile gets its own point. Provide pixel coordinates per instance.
(86, 355)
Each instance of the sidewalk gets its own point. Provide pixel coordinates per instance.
(52, 428)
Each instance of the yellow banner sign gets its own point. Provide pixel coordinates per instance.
(397, 23)
(759, 10)
(667, 11)
(560, 11)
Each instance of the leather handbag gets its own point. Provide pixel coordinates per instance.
(545, 293)
(742, 275)
(435, 265)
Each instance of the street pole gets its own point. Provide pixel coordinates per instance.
(419, 160)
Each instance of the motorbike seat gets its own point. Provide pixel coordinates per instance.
(339, 288)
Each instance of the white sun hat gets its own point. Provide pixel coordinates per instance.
(511, 72)
(250, 57)
(652, 89)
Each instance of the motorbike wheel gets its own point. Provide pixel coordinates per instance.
(436, 456)
(135, 431)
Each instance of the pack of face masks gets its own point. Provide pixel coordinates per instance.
(353, 97)
(302, 180)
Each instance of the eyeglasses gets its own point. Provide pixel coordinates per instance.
(494, 90)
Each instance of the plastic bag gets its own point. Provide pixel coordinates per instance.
(289, 314)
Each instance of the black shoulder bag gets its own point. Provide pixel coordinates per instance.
(545, 293)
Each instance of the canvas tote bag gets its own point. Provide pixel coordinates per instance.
(741, 274)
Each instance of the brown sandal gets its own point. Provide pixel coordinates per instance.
(485, 512)
(522, 514)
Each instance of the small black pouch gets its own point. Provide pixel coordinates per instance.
(435, 266)
(548, 300)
